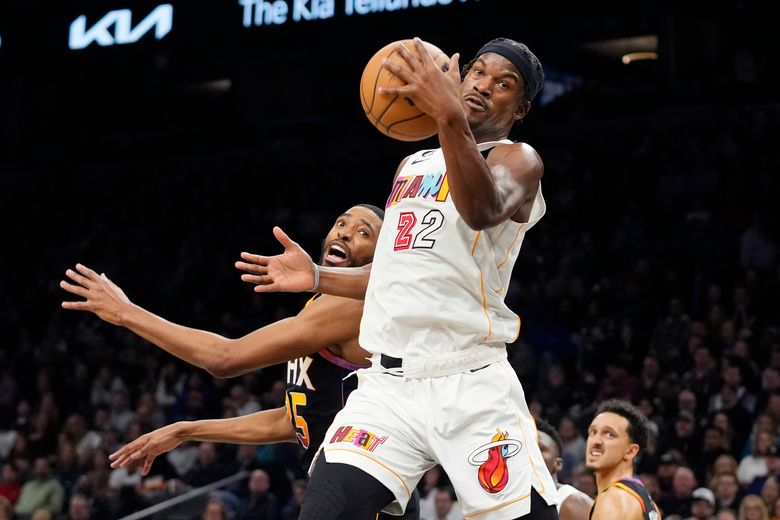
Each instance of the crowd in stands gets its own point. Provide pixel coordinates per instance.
(653, 278)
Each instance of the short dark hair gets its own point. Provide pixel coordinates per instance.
(638, 425)
(379, 212)
(545, 427)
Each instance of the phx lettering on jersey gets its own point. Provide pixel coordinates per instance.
(433, 185)
(360, 438)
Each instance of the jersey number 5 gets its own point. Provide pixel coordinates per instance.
(294, 400)
(407, 238)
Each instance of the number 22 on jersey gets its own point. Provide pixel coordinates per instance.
(413, 236)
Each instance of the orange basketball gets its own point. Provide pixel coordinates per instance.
(394, 115)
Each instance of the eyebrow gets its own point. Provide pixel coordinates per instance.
(364, 221)
(367, 223)
(504, 74)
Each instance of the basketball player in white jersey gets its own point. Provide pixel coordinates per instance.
(440, 389)
(573, 504)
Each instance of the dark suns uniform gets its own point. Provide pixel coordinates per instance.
(316, 391)
(635, 488)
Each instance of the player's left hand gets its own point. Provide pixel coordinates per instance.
(291, 271)
(101, 295)
(435, 92)
(147, 447)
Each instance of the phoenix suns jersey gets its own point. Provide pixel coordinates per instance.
(437, 286)
(636, 489)
(316, 391)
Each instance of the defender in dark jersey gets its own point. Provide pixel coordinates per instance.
(317, 388)
(321, 340)
(617, 434)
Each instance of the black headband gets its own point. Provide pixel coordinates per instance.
(522, 58)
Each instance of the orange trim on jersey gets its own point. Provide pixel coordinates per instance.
(633, 493)
(482, 289)
(472, 515)
(522, 432)
(509, 249)
(369, 457)
(476, 239)
(484, 305)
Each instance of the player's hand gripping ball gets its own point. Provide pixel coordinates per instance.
(393, 115)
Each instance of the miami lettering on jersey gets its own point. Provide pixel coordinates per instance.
(360, 438)
(433, 185)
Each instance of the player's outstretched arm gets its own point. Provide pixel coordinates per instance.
(266, 427)
(322, 324)
(294, 271)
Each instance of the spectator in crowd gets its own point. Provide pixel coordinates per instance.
(573, 453)
(702, 504)
(446, 505)
(753, 508)
(261, 504)
(43, 491)
(215, 509)
(727, 491)
(207, 468)
(678, 501)
(10, 488)
(754, 465)
(79, 508)
(75, 431)
(770, 491)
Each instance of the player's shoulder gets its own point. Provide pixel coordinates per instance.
(518, 156)
(616, 502)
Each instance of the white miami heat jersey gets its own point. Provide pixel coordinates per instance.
(437, 286)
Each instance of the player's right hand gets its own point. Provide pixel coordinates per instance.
(291, 271)
(146, 448)
(101, 295)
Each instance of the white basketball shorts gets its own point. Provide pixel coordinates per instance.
(475, 424)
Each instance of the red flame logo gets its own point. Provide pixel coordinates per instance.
(494, 473)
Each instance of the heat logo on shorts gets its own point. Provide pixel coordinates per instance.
(360, 438)
(493, 472)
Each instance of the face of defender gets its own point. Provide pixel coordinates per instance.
(550, 454)
(493, 94)
(608, 442)
(352, 239)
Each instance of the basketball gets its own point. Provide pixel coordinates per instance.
(393, 115)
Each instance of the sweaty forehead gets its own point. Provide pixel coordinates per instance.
(364, 214)
(547, 441)
(612, 420)
(496, 60)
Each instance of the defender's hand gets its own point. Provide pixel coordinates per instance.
(101, 295)
(147, 447)
(292, 271)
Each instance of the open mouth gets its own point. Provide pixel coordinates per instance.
(337, 255)
(594, 454)
(475, 104)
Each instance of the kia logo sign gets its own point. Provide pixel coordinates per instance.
(116, 28)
